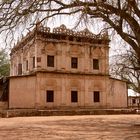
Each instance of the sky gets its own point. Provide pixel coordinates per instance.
(94, 27)
(116, 45)
(132, 93)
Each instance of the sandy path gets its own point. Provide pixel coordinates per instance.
(108, 127)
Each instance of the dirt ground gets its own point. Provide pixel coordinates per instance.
(101, 127)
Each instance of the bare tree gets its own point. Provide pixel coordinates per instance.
(124, 67)
(123, 16)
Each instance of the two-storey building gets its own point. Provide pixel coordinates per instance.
(63, 68)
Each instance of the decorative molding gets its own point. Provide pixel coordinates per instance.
(84, 33)
(61, 33)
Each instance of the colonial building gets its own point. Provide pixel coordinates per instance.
(63, 68)
(134, 101)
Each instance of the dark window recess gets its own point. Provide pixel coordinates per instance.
(74, 62)
(19, 69)
(38, 59)
(133, 101)
(74, 96)
(33, 62)
(71, 38)
(27, 67)
(50, 61)
(78, 39)
(95, 64)
(96, 96)
(50, 96)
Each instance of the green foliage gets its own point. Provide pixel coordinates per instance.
(4, 63)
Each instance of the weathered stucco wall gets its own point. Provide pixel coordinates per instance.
(21, 56)
(31, 92)
(62, 51)
(117, 93)
(63, 84)
(22, 92)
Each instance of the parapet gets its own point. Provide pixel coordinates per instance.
(62, 33)
(65, 31)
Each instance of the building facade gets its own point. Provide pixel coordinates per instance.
(63, 68)
(134, 101)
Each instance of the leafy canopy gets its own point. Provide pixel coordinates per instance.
(4, 63)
